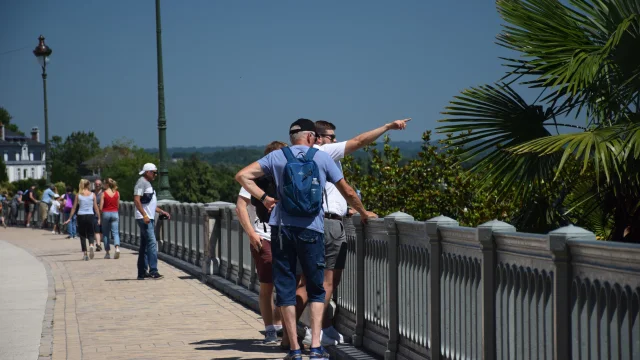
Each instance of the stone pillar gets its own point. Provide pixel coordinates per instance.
(392, 285)
(484, 235)
(435, 253)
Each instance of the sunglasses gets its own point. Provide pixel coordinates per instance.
(330, 136)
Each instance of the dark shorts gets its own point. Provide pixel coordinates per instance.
(297, 244)
(263, 260)
(97, 229)
(335, 244)
(29, 207)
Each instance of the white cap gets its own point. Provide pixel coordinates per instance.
(148, 167)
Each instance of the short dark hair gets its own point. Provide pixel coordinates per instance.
(273, 146)
(323, 125)
(69, 188)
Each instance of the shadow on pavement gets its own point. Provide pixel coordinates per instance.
(134, 279)
(243, 345)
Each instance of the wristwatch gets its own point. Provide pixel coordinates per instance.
(264, 196)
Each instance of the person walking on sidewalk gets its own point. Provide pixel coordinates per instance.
(15, 205)
(259, 233)
(97, 228)
(145, 201)
(54, 214)
(86, 207)
(297, 223)
(109, 205)
(69, 200)
(29, 199)
(45, 204)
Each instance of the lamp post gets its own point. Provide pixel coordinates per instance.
(42, 53)
(163, 180)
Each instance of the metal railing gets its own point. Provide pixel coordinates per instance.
(434, 290)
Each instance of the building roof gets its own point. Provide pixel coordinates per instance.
(14, 139)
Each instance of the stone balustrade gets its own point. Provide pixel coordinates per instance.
(435, 290)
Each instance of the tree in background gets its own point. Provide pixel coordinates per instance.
(5, 119)
(122, 161)
(581, 56)
(4, 177)
(68, 156)
(192, 180)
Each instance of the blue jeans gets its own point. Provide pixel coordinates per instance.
(110, 229)
(304, 245)
(73, 225)
(148, 251)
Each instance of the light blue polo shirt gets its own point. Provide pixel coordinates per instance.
(47, 196)
(273, 164)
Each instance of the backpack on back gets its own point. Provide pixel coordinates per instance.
(268, 185)
(25, 196)
(68, 203)
(302, 193)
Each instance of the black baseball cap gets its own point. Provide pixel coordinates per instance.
(302, 125)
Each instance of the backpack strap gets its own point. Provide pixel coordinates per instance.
(288, 154)
(311, 153)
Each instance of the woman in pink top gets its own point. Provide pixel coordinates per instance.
(109, 205)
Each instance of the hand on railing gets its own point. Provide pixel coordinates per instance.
(368, 215)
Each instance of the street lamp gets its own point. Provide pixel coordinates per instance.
(42, 53)
(163, 179)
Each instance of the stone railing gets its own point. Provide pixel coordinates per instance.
(497, 293)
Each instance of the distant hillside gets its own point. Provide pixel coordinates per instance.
(242, 155)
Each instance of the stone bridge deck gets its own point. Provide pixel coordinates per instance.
(98, 310)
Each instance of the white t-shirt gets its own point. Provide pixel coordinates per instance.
(144, 189)
(55, 208)
(262, 229)
(334, 202)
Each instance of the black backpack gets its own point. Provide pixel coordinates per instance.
(268, 185)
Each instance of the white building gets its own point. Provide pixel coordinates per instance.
(24, 156)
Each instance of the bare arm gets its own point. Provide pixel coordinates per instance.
(245, 178)
(102, 202)
(353, 200)
(95, 207)
(368, 137)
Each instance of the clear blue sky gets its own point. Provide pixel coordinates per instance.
(239, 72)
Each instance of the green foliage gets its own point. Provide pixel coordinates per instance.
(5, 119)
(192, 180)
(61, 188)
(432, 184)
(4, 177)
(68, 156)
(122, 161)
(580, 56)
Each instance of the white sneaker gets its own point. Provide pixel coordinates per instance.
(53, 232)
(91, 252)
(324, 339)
(334, 334)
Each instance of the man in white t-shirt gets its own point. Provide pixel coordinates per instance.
(259, 234)
(145, 201)
(335, 208)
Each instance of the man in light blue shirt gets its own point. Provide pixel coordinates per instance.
(45, 204)
(296, 238)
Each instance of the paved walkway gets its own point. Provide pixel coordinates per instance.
(102, 312)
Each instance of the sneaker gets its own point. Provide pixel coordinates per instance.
(293, 355)
(91, 252)
(334, 334)
(85, 258)
(98, 247)
(53, 232)
(147, 275)
(156, 276)
(141, 277)
(117, 256)
(318, 353)
(271, 337)
(107, 256)
(324, 339)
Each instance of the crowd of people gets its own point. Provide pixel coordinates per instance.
(292, 204)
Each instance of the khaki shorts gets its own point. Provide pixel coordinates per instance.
(44, 210)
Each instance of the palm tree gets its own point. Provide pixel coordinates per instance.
(584, 59)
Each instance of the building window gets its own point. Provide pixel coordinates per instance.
(25, 152)
(6, 157)
(17, 156)
(42, 157)
(18, 174)
(31, 156)
(33, 173)
(24, 173)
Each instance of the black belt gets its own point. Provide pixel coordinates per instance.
(332, 216)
